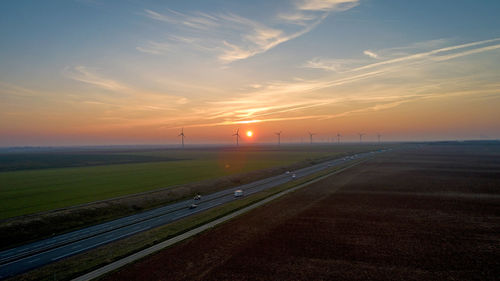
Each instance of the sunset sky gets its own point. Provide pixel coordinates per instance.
(94, 72)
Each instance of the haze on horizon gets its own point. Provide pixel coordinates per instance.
(91, 72)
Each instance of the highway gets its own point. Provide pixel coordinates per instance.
(26, 257)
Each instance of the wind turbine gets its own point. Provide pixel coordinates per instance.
(237, 136)
(279, 137)
(311, 137)
(338, 138)
(361, 136)
(378, 136)
(182, 136)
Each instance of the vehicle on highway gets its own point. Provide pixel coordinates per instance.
(287, 172)
(197, 197)
(192, 206)
(294, 176)
(238, 193)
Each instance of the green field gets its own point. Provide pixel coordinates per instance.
(33, 188)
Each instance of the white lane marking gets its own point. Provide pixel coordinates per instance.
(34, 260)
(100, 243)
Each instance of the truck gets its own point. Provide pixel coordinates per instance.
(238, 193)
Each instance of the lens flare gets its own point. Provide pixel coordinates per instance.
(249, 134)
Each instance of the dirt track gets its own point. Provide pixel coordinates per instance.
(427, 214)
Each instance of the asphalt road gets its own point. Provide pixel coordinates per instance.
(23, 258)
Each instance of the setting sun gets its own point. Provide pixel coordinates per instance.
(249, 133)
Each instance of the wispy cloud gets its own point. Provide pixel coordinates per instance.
(280, 101)
(326, 5)
(260, 39)
(443, 52)
(160, 17)
(275, 117)
(85, 75)
(415, 47)
(15, 90)
(232, 37)
(371, 54)
(140, 98)
(198, 20)
(335, 65)
(467, 52)
(155, 48)
(297, 17)
(378, 104)
(440, 54)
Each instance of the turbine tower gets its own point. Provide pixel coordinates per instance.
(361, 136)
(182, 137)
(311, 137)
(279, 137)
(378, 136)
(237, 136)
(338, 138)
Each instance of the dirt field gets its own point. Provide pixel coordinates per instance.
(428, 214)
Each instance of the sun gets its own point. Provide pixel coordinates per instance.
(249, 134)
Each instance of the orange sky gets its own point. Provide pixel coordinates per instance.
(294, 68)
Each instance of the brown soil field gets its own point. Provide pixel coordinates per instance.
(431, 213)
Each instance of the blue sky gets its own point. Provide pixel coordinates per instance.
(95, 71)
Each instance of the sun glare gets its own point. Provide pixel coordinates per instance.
(249, 133)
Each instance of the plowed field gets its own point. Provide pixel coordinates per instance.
(431, 213)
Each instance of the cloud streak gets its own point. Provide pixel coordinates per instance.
(14, 90)
(83, 74)
(281, 101)
(326, 5)
(370, 54)
(350, 88)
(434, 53)
(232, 37)
(261, 39)
(155, 48)
(131, 98)
(199, 20)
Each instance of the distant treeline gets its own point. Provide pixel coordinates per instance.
(31, 161)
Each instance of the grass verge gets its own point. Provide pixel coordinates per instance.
(77, 265)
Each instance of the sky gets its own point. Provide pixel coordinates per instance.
(96, 72)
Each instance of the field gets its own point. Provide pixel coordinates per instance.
(431, 213)
(34, 182)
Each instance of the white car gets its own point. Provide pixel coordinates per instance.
(192, 206)
(287, 172)
(238, 193)
(294, 176)
(197, 197)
